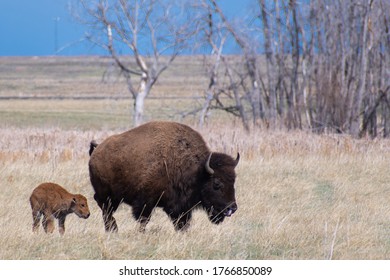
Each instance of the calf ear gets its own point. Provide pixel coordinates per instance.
(73, 202)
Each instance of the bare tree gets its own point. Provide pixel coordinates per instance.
(319, 65)
(153, 32)
(223, 91)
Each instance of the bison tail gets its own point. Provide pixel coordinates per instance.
(92, 147)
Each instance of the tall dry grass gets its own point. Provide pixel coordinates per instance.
(300, 196)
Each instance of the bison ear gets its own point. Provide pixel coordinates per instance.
(73, 202)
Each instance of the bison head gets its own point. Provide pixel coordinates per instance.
(218, 194)
(79, 206)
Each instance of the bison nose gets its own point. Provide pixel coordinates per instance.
(230, 210)
(87, 216)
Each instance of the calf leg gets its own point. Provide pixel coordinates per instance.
(48, 222)
(36, 219)
(61, 224)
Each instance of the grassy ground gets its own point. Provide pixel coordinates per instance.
(85, 93)
(300, 196)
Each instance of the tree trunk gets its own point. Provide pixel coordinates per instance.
(140, 100)
(270, 65)
(206, 106)
(355, 121)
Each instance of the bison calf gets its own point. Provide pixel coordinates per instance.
(53, 201)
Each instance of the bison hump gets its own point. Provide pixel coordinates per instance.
(156, 152)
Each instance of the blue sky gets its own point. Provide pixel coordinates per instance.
(38, 27)
(27, 28)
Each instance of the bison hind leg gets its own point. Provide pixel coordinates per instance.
(108, 218)
(141, 214)
(109, 222)
(108, 207)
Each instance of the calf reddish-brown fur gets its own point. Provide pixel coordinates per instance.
(53, 201)
(161, 164)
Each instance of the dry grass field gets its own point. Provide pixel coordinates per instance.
(299, 195)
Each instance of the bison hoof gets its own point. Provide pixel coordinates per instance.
(112, 228)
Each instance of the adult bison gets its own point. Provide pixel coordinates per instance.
(161, 164)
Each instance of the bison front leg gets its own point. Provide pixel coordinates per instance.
(61, 224)
(143, 222)
(181, 222)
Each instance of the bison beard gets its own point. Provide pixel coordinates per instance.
(162, 164)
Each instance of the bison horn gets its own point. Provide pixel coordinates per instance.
(237, 159)
(208, 168)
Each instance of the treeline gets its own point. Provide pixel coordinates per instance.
(318, 65)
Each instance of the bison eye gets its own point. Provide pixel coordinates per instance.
(217, 184)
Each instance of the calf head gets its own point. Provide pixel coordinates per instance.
(218, 193)
(79, 206)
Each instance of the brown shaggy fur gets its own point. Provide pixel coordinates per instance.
(161, 164)
(53, 201)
